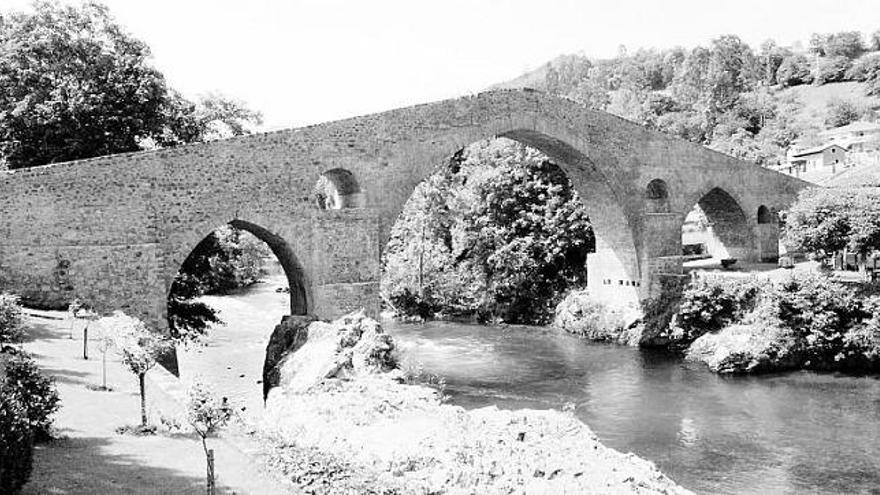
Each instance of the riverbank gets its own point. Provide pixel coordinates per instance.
(404, 439)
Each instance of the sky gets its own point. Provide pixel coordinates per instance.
(302, 62)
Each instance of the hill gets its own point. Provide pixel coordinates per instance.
(815, 100)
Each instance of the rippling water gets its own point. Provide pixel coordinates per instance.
(799, 432)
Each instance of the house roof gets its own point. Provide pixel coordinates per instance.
(817, 149)
(859, 126)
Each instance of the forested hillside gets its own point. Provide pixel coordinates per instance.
(752, 103)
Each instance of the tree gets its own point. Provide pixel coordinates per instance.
(527, 234)
(848, 44)
(817, 222)
(831, 69)
(770, 59)
(74, 85)
(824, 221)
(841, 112)
(875, 40)
(207, 414)
(794, 70)
(140, 349)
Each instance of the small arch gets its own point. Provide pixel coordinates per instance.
(337, 189)
(657, 196)
(764, 215)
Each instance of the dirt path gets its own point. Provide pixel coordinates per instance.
(90, 458)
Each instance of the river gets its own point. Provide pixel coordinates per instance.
(800, 432)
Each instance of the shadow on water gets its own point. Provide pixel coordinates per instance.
(782, 433)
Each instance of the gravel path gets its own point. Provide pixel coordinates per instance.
(90, 458)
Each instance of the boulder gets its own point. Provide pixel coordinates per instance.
(749, 348)
(287, 337)
(581, 314)
(352, 344)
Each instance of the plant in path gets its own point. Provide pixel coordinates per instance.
(11, 322)
(140, 348)
(207, 413)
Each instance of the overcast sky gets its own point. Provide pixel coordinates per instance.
(307, 61)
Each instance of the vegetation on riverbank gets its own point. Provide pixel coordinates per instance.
(806, 321)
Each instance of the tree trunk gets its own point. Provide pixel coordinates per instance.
(104, 370)
(143, 399)
(86, 342)
(209, 458)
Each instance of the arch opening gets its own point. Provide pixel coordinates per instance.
(764, 215)
(717, 229)
(657, 196)
(338, 189)
(231, 291)
(427, 248)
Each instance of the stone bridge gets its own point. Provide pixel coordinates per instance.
(114, 230)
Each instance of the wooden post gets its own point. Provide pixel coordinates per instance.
(211, 488)
(86, 341)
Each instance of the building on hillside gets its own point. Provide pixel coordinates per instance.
(858, 136)
(828, 158)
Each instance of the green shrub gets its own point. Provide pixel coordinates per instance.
(817, 311)
(35, 392)
(11, 323)
(16, 443)
(830, 70)
(709, 304)
(658, 312)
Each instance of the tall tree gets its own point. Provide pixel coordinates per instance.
(74, 84)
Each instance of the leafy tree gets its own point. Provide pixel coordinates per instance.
(140, 349)
(499, 233)
(794, 70)
(769, 60)
(527, 235)
(875, 40)
(848, 44)
(206, 413)
(74, 85)
(864, 67)
(831, 69)
(824, 221)
(841, 112)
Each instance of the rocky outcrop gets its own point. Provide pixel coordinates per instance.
(353, 344)
(287, 338)
(747, 348)
(581, 314)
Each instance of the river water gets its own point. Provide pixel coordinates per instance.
(798, 432)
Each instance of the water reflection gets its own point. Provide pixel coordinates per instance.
(788, 433)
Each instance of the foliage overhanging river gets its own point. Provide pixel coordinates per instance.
(783, 433)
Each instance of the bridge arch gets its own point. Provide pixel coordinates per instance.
(721, 222)
(300, 294)
(614, 269)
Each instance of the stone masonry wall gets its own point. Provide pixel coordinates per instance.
(114, 230)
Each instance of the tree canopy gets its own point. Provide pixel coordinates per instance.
(824, 221)
(74, 85)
